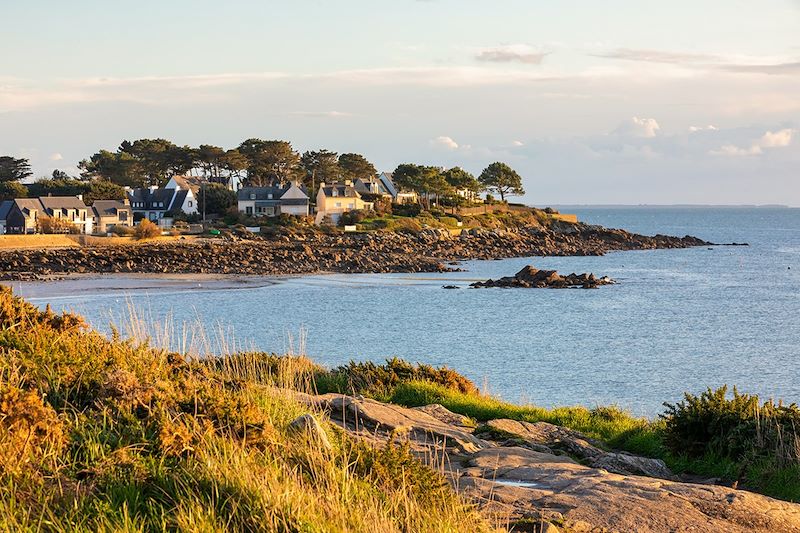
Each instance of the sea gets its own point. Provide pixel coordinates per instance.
(676, 321)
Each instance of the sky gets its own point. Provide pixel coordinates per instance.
(613, 102)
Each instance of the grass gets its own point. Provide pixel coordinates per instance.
(106, 434)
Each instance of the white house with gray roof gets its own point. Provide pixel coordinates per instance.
(273, 201)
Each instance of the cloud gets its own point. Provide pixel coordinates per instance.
(641, 128)
(445, 142)
(771, 139)
(731, 64)
(773, 69)
(321, 114)
(520, 53)
(517, 144)
(56, 157)
(658, 56)
(695, 129)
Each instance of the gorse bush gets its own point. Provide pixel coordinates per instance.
(380, 380)
(736, 427)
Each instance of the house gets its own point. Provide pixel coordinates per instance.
(154, 203)
(273, 201)
(398, 196)
(335, 199)
(373, 185)
(5, 207)
(110, 213)
(24, 214)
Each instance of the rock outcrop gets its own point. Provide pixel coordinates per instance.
(523, 474)
(303, 253)
(532, 278)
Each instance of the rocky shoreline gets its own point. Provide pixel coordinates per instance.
(312, 252)
(536, 477)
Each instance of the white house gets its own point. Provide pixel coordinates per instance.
(273, 201)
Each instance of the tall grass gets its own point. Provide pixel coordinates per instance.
(106, 434)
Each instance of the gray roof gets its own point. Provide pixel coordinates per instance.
(346, 191)
(267, 203)
(180, 197)
(5, 207)
(261, 193)
(295, 201)
(108, 208)
(62, 202)
(150, 197)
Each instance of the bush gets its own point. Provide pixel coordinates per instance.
(405, 225)
(406, 210)
(122, 231)
(56, 225)
(737, 428)
(380, 380)
(357, 216)
(146, 230)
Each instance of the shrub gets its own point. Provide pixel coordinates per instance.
(121, 230)
(737, 427)
(146, 230)
(381, 379)
(406, 210)
(56, 225)
(406, 225)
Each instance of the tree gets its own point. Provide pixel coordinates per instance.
(215, 199)
(354, 166)
(211, 160)
(269, 162)
(408, 176)
(103, 190)
(502, 179)
(13, 169)
(120, 168)
(459, 178)
(319, 166)
(10, 190)
(234, 164)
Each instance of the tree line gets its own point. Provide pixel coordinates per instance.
(255, 162)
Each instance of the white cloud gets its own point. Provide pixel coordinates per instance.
(695, 129)
(771, 139)
(517, 144)
(445, 142)
(776, 139)
(56, 157)
(520, 53)
(641, 128)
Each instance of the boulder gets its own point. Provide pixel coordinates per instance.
(531, 277)
(310, 428)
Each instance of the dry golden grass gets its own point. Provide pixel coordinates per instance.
(105, 434)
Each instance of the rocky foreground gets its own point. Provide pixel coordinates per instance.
(541, 477)
(303, 253)
(532, 278)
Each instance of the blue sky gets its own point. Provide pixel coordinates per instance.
(593, 102)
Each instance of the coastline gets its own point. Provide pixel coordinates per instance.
(303, 253)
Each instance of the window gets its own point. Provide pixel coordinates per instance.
(338, 204)
(252, 196)
(190, 203)
(351, 206)
(249, 210)
(269, 196)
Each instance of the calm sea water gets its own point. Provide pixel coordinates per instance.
(679, 320)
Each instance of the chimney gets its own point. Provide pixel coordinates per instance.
(126, 202)
(80, 197)
(321, 184)
(348, 182)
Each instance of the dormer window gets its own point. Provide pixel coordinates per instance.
(252, 196)
(269, 196)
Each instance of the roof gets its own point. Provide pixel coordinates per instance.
(268, 203)
(186, 183)
(180, 198)
(29, 204)
(346, 191)
(62, 202)
(368, 186)
(295, 201)
(261, 193)
(150, 196)
(5, 207)
(108, 208)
